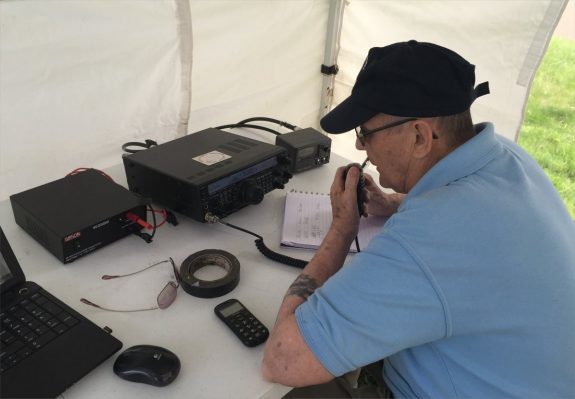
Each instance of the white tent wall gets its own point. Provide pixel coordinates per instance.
(78, 78)
(257, 58)
(505, 39)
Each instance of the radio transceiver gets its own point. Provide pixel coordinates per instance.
(210, 171)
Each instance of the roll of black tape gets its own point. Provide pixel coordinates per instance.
(210, 288)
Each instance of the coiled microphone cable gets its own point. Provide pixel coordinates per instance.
(260, 245)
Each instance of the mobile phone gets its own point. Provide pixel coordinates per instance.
(242, 322)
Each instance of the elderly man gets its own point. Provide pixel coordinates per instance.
(469, 289)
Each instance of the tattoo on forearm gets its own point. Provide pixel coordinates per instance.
(303, 286)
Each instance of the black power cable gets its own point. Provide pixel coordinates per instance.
(246, 124)
(126, 147)
(240, 125)
(265, 119)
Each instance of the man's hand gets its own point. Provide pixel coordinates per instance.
(379, 203)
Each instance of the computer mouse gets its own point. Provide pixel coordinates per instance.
(148, 364)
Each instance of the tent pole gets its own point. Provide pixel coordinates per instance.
(185, 35)
(537, 51)
(329, 67)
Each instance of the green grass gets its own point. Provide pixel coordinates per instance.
(548, 131)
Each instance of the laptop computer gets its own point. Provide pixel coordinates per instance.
(46, 346)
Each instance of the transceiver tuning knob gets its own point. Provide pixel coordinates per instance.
(283, 160)
(252, 193)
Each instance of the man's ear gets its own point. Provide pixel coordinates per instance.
(423, 138)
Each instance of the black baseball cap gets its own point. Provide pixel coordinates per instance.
(411, 79)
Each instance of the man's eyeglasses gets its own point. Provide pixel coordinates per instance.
(165, 298)
(362, 133)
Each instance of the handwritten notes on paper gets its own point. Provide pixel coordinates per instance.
(307, 217)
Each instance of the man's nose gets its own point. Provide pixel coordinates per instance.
(359, 145)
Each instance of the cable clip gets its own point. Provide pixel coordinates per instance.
(171, 218)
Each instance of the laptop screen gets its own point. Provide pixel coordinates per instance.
(4, 271)
(11, 273)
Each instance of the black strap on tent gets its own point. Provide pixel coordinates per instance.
(329, 70)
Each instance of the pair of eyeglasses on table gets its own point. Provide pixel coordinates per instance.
(165, 298)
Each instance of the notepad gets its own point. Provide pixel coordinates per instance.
(307, 217)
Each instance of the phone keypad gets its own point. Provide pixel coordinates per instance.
(248, 328)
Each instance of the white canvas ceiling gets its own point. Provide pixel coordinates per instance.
(78, 78)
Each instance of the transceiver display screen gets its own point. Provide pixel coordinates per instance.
(241, 175)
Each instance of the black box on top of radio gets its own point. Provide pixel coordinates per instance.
(75, 215)
(307, 149)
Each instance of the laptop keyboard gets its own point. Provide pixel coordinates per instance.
(29, 326)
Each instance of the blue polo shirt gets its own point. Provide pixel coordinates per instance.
(467, 292)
